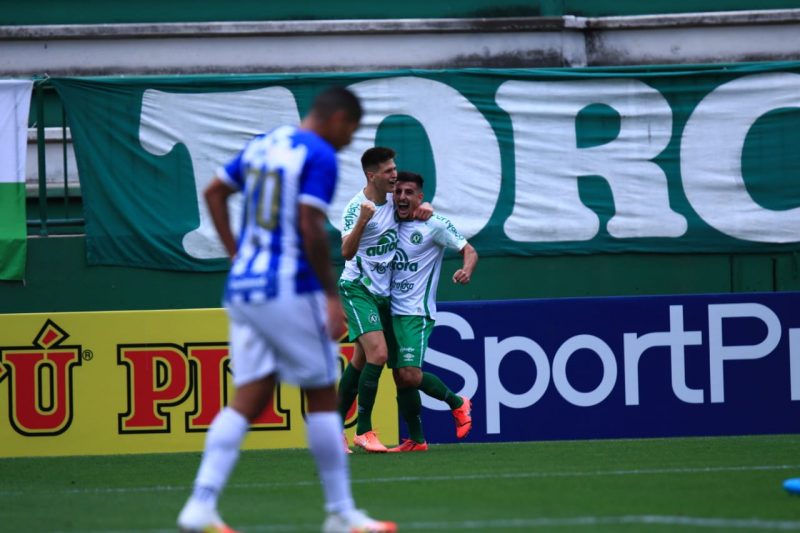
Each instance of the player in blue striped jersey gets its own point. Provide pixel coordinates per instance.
(283, 303)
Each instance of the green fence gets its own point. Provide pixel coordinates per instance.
(53, 208)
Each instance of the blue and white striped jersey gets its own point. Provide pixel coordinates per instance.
(276, 172)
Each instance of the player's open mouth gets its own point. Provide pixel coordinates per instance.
(403, 209)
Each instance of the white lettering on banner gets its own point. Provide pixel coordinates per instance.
(719, 353)
(711, 157)
(561, 381)
(547, 206)
(454, 364)
(676, 339)
(496, 393)
(548, 162)
(214, 127)
(466, 153)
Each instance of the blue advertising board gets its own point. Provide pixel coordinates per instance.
(621, 367)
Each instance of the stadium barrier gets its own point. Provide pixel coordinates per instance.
(626, 367)
(572, 368)
(134, 382)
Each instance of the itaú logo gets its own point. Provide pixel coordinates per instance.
(714, 342)
(39, 380)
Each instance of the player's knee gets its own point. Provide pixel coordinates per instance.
(408, 377)
(378, 358)
(374, 346)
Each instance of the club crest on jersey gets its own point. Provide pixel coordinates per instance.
(373, 318)
(416, 238)
(386, 243)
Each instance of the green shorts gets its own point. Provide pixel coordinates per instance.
(411, 334)
(364, 311)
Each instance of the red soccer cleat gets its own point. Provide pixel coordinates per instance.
(463, 417)
(409, 445)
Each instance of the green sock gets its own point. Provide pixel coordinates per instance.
(367, 390)
(348, 389)
(410, 407)
(435, 388)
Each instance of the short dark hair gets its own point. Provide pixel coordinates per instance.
(337, 98)
(413, 177)
(373, 157)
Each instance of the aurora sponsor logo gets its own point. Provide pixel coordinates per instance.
(400, 263)
(386, 243)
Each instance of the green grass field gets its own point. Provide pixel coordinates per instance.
(691, 484)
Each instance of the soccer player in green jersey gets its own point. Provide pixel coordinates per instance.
(369, 241)
(415, 277)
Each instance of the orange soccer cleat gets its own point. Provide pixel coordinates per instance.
(409, 445)
(370, 442)
(463, 417)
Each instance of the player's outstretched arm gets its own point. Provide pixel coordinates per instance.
(216, 195)
(315, 243)
(464, 274)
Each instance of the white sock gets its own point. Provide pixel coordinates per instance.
(324, 431)
(221, 452)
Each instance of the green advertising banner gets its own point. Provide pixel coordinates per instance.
(524, 162)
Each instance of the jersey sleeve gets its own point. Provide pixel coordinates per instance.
(446, 235)
(319, 179)
(350, 215)
(232, 172)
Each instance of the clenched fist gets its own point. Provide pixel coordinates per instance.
(367, 210)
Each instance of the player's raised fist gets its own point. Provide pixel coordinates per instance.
(367, 210)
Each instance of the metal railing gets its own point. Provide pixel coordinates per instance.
(54, 204)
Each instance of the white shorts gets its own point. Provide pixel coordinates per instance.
(286, 336)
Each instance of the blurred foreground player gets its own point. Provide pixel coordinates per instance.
(283, 304)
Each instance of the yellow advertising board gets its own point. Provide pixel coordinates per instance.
(135, 382)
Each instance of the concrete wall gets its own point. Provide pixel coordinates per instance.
(365, 45)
